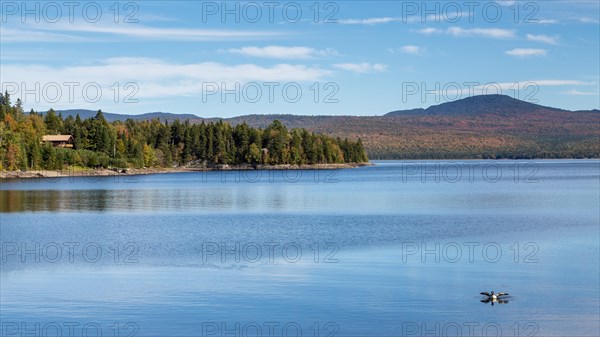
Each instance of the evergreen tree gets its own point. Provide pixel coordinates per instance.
(53, 123)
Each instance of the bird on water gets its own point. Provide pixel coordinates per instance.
(493, 297)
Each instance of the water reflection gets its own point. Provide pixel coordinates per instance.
(12, 201)
(257, 198)
(494, 300)
(381, 189)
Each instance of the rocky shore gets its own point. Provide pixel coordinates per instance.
(144, 171)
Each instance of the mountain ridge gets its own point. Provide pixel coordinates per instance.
(112, 117)
(483, 127)
(469, 105)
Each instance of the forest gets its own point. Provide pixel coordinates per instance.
(144, 144)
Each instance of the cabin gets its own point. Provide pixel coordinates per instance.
(64, 141)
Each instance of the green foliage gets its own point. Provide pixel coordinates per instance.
(138, 144)
(149, 156)
(53, 123)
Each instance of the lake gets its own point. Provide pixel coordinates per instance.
(399, 248)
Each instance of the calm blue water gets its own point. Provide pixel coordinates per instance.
(400, 248)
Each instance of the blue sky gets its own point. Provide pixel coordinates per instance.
(297, 57)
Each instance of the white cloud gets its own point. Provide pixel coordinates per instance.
(369, 21)
(445, 16)
(528, 85)
(574, 92)
(413, 50)
(496, 33)
(80, 33)
(279, 52)
(508, 88)
(547, 21)
(430, 30)
(551, 83)
(506, 3)
(543, 38)
(174, 33)
(20, 35)
(362, 68)
(523, 52)
(154, 77)
(588, 20)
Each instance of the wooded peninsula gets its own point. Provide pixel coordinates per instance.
(28, 142)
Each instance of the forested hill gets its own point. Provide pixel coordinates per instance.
(97, 143)
(491, 126)
(483, 104)
(113, 117)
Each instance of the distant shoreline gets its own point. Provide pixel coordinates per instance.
(147, 171)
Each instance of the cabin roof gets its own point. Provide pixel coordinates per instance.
(57, 138)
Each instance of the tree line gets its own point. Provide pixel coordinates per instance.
(139, 144)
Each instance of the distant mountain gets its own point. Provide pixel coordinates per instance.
(112, 117)
(490, 126)
(490, 104)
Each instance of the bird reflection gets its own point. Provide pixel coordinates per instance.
(489, 300)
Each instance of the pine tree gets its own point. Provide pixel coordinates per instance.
(53, 122)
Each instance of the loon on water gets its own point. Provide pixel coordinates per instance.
(492, 297)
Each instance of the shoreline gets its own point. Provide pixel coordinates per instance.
(84, 172)
(148, 171)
